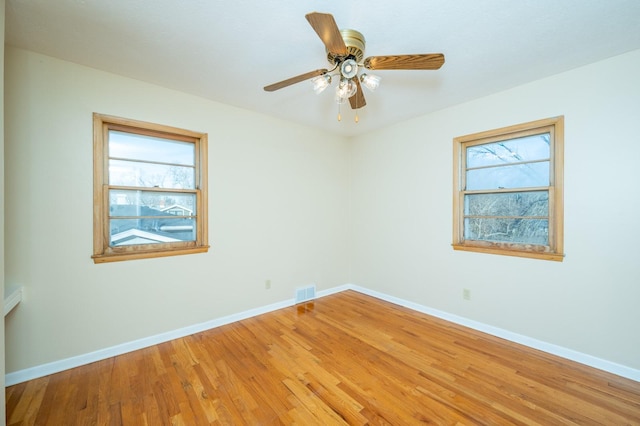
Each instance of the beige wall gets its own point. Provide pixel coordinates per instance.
(402, 208)
(2, 245)
(294, 205)
(278, 210)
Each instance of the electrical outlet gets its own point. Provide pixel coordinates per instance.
(466, 294)
(267, 284)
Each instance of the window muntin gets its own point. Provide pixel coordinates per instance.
(150, 187)
(508, 190)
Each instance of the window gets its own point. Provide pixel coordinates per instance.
(508, 191)
(150, 190)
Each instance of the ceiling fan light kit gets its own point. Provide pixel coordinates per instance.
(345, 52)
(320, 83)
(346, 89)
(349, 68)
(370, 81)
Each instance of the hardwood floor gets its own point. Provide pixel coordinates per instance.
(345, 359)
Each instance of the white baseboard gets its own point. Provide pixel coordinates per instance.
(600, 364)
(76, 361)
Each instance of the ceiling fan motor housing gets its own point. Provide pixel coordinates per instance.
(355, 43)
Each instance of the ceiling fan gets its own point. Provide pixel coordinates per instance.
(345, 52)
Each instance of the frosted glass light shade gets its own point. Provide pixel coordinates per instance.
(320, 83)
(369, 81)
(345, 90)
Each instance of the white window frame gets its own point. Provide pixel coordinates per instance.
(552, 251)
(103, 251)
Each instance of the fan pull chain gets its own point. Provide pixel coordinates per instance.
(339, 116)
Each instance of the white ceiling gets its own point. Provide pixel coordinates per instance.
(228, 50)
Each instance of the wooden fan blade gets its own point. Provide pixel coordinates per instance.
(328, 31)
(429, 61)
(294, 80)
(357, 101)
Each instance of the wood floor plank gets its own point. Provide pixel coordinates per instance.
(347, 358)
(26, 407)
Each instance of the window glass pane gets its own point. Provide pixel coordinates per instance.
(144, 217)
(528, 148)
(138, 147)
(507, 204)
(515, 176)
(149, 175)
(151, 231)
(525, 231)
(148, 203)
